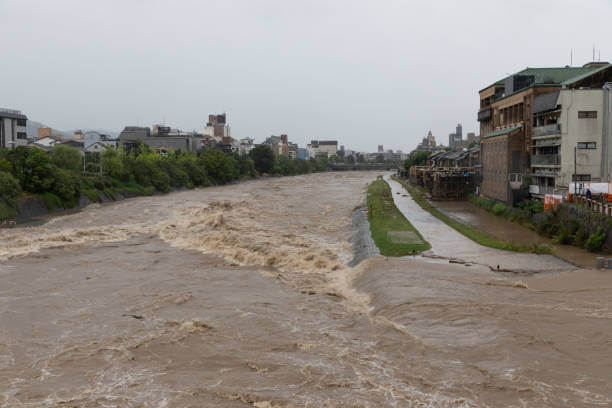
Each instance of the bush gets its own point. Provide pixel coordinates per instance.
(66, 186)
(499, 209)
(263, 158)
(564, 236)
(596, 240)
(160, 180)
(217, 165)
(10, 192)
(37, 172)
(66, 157)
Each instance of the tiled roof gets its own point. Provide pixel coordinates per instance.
(503, 131)
(555, 75)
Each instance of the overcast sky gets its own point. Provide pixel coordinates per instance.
(360, 71)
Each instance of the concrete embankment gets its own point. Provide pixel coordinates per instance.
(32, 208)
(448, 243)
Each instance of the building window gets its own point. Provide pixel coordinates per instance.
(22, 135)
(587, 114)
(21, 122)
(587, 145)
(581, 177)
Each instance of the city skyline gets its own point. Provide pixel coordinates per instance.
(351, 71)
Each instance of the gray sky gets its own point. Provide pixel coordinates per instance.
(360, 71)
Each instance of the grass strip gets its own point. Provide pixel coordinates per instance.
(467, 230)
(385, 217)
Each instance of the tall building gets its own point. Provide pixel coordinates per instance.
(217, 127)
(428, 143)
(13, 128)
(453, 138)
(380, 149)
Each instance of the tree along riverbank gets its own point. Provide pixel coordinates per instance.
(34, 182)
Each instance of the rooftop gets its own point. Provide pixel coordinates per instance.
(556, 75)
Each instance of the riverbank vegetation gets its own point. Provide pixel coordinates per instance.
(418, 195)
(566, 224)
(61, 176)
(384, 217)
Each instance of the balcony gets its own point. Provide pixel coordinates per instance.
(547, 142)
(485, 114)
(546, 160)
(541, 190)
(548, 130)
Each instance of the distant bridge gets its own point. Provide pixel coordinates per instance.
(361, 166)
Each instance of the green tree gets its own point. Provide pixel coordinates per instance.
(10, 192)
(286, 166)
(65, 185)
(263, 157)
(195, 171)
(66, 157)
(416, 159)
(112, 162)
(37, 171)
(217, 165)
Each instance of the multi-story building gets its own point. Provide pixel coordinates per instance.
(571, 139)
(326, 148)
(505, 117)
(217, 127)
(428, 144)
(455, 138)
(245, 146)
(163, 140)
(13, 128)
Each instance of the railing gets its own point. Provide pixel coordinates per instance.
(546, 159)
(547, 142)
(541, 190)
(553, 129)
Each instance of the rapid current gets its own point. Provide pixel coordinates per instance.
(244, 296)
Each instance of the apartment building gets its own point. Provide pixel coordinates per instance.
(217, 127)
(571, 139)
(13, 128)
(506, 123)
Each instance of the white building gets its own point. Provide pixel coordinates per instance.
(13, 128)
(246, 145)
(325, 148)
(571, 139)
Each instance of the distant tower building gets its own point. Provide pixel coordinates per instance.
(459, 132)
(380, 149)
(431, 140)
(217, 127)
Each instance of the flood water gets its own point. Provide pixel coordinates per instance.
(511, 231)
(241, 296)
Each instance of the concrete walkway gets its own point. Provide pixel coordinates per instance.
(450, 244)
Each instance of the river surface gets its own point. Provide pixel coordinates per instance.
(242, 296)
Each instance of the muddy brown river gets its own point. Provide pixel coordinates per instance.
(242, 296)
